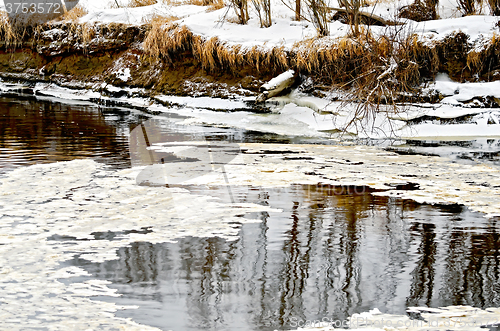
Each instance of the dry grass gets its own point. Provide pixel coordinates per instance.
(85, 32)
(377, 2)
(468, 7)
(199, 2)
(350, 59)
(12, 34)
(166, 39)
(334, 62)
(494, 7)
(216, 5)
(74, 14)
(475, 59)
(373, 72)
(81, 33)
(419, 11)
(141, 3)
(7, 34)
(482, 61)
(215, 55)
(212, 4)
(355, 60)
(359, 62)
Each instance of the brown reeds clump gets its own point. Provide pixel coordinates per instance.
(485, 61)
(12, 34)
(216, 5)
(215, 55)
(166, 39)
(7, 33)
(373, 73)
(74, 14)
(494, 7)
(419, 11)
(468, 7)
(141, 3)
(212, 4)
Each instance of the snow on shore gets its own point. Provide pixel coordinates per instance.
(312, 116)
(459, 99)
(284, 30)
(307, 116)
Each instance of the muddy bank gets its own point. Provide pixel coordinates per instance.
(169, 59)
(88, 56)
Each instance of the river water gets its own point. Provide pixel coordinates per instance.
(297, 254)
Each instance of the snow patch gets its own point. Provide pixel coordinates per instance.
(123, 74)
(278, 80)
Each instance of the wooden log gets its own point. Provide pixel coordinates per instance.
(276, 85)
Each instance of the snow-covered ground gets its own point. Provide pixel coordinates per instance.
(284, 30)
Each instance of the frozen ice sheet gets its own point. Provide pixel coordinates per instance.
(440, 180)
(463, 318)
(49, 214)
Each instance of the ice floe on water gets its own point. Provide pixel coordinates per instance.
(464, 318)
(204, 102)
(439, 181)
(461, 113)
(49, 214)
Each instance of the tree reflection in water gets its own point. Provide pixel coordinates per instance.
(328, 255)
(37, 131)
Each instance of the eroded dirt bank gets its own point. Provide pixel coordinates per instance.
(171, 60)
(87, 57)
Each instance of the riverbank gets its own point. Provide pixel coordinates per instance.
(166, 57)
(408, 80)
(113, 56)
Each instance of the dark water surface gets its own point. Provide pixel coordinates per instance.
(40, 131)
(329, 254)
(36, 131)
